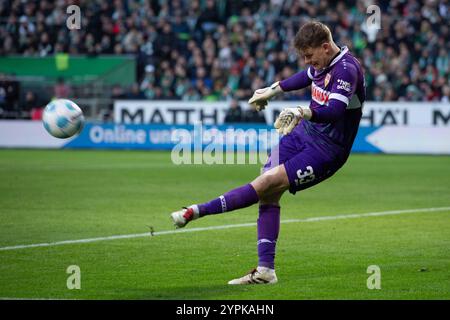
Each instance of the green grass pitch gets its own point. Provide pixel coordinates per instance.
(48, 196)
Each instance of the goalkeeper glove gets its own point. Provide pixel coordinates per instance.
(260, 96)
(290, 117)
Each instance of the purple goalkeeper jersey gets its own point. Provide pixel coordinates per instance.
(338, 93)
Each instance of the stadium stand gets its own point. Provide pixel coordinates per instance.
(215, 50)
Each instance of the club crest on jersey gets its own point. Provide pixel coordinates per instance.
(327, 80)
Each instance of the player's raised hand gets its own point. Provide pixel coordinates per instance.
(289, 118)
(260, 96)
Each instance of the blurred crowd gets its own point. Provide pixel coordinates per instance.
(222, 50)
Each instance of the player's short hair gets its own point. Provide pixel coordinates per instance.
(312, 35)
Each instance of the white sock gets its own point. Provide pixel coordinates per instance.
(265, 270)
(196, 210)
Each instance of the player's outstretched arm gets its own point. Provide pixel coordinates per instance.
(297, 81)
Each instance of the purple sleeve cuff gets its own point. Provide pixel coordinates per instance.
(331, 113)
(298, 81)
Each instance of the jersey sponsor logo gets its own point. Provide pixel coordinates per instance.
(344, 85)
(320, 95)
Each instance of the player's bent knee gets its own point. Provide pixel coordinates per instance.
(271, 182)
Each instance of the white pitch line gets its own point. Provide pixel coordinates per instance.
(15, 298)
(229, 226)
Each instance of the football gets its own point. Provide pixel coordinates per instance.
(63, 118)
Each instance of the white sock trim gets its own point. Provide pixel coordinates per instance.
(265, 241)
(223, 203)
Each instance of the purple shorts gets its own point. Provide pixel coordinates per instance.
(306, 165)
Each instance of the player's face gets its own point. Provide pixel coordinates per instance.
(317, 57)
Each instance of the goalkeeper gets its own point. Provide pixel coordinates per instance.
(316, 143)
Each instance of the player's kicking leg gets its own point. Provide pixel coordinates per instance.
(272, 182)
(241, 197)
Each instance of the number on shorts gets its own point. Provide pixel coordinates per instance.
(306, 176)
